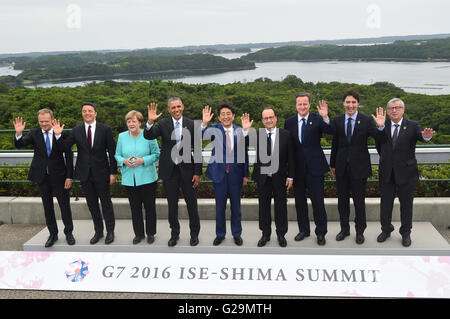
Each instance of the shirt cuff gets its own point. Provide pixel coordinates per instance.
(148, 126)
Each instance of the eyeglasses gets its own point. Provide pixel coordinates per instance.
(394, 108)
(269, 118)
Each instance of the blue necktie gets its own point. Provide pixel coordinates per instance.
(47, 146)
(303, 130)
(349, 130)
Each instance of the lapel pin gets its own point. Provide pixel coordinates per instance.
(310, 123)
(404, 127)
(359, 122)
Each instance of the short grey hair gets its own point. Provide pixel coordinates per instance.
(395, 99)
(174, 99)
(44, 111)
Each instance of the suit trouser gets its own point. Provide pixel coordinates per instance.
(46, 189)
(233, 187)
(95, 190)
(357, 186)
(138, 195)
(315, 187)
(406, 198)
(172, 188)
(265, 192)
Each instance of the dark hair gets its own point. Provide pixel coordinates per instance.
(301, 94)
(269, 108)
(91, 104)
(223, 106)
(351, 93)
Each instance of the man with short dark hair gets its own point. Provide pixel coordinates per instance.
(398, 168)
(228, 167)
(350, 161)
(51, 169)
(175, 171)
(96, 168)
(306, 130)
(274, 176)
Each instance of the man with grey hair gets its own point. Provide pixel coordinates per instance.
(173, 170)
(398, 168)
(51, 169)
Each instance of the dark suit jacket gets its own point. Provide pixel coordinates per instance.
(60, 161)
(216, 170)
(100, 160)
(309, 155)
(401, 161)
(164, 128)
(357, 151)
(283, 142)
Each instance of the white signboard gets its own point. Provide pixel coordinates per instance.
(248, 274)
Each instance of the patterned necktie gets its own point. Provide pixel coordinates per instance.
(227, 133)
(395, 136)
(349, 130)
(89, 137)
(177, 133)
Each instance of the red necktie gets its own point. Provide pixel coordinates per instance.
(89, 137)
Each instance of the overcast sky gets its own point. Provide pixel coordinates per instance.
(61, 25)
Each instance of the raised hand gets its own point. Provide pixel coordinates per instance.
(19, 125)
(322, 108)
(57, 128)
(246, 123)
(207, 115)
(381, 117)
(428, 133)
(152, 116)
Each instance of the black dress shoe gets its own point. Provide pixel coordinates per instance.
(342, 234)
(238, 240)
(300, 236)
(282, 241)
(321, 240)
(406, 241)
(150, 239)
(359, 239)
(51, 240)
(218, 240)
(264, 239)
(70, 239)
(137, 239)
(383, 236)
(109, 238)
(193, 241)
(96, 238)
(173, 241)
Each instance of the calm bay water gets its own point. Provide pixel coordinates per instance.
(431, 78)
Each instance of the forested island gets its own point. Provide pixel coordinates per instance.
(115, 99)
(59, 70)
(421, 51)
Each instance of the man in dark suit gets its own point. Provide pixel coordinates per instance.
(51, 169)
(96, 168)
(274, 176)
(176, 164)
(398, 168)
(227, 168)
(306, 130)
(350, 161)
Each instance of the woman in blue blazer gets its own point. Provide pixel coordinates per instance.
(137, 157)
